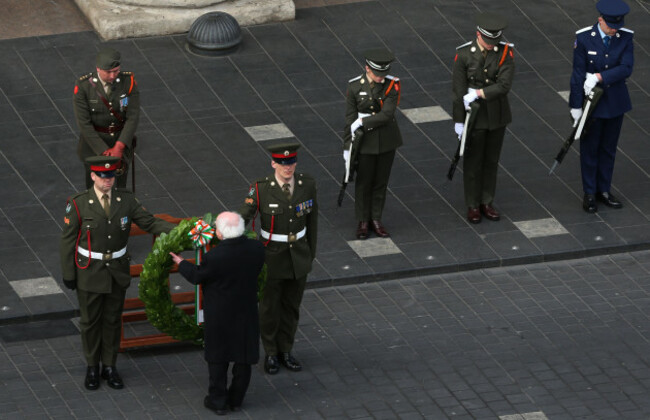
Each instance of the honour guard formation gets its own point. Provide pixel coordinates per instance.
(106, 103)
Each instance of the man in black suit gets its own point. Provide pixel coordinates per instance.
(228, 273)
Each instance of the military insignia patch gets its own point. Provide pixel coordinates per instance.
(251, 192)
(66, 220)
(248, 200)
(124, 222)
(68, 208)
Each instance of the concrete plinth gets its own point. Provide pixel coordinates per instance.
(114, 19)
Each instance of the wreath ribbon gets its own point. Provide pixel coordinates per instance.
(201, 234)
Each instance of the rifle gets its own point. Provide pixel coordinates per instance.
(591, 100)
(350, 164)
(470, 120)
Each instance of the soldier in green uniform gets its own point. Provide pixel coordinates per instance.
(107, 108)
(483, 71)
(372, 99)
(288, 209)
(95, 262)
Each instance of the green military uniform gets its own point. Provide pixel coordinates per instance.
(101, 123)
(493, 73)
(101, 281)
(289, 227)
(381, 135)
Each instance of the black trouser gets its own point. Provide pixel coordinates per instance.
(219, 393)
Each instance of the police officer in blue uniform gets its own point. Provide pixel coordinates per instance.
(603, 55)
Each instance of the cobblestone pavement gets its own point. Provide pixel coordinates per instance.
(561, 340)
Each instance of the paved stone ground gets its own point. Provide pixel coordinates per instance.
(205, 124)
(560, 340)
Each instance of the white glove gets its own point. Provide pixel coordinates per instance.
(576, 113)
(470, 97)
(355, 125)
(590, 82)
(346, 155)
(458, 128)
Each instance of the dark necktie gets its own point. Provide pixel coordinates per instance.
(107, 205)
(109, 89)
(606, 40)
(286, 189)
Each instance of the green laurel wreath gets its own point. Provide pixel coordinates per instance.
(153, 289)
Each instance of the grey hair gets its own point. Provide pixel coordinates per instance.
(230, 224)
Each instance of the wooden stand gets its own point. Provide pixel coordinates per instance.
(134, 308)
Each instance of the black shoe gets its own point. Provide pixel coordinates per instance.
(589, 203)
(271, 365)
(609, 200)
(221, 411)
(92, 378)
(109, 373)
(290, 362)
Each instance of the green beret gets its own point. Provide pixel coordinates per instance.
(108, 59)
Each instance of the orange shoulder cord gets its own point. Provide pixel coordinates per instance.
(503, 56)
(131, 87)
(390, 86)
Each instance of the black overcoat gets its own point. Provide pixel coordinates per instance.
(228, 274)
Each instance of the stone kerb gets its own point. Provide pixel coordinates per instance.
(115, 19)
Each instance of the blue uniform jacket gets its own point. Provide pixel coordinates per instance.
(614, 65)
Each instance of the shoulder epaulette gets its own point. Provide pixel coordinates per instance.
(627, 30)
(388, 76)
(467, 44)
(77, 195)
(509, 44)
(354, 79)
(85, 77)
(127, 72)
(579, 31)
(306, 178)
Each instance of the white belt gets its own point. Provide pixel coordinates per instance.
(102, 256)
(284, 238)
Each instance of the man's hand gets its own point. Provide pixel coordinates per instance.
(176, 258)
(117, 150)
(576, 113)
(70, 284)
(355, 125)
(470, 97)
(458, 128)
(590, 82)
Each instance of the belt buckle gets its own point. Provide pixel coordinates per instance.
(291, 237)
(107, 256)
